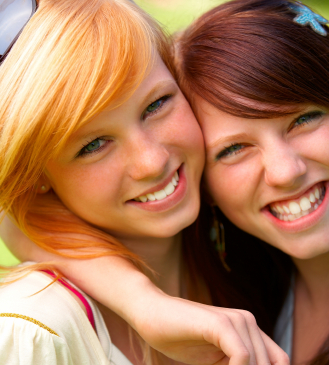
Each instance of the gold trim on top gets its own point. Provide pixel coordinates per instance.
(32, 320)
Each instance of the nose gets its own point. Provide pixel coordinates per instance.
(283, 165)
(148, 157)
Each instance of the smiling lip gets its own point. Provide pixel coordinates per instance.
(170, 201)
(304, 222)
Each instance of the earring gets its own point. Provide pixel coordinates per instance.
(43, 188)
(217, 235)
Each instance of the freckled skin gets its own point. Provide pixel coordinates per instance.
(139, 153)
(279, 158)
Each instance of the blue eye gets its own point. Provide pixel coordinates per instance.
(307, 118)
(94, 146)
(156, 106)
(229, 151)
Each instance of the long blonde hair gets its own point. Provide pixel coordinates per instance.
(73, 59)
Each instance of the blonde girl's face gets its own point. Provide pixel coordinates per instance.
(270, 177)
(135, 171)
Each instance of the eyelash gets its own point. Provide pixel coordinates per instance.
(83, 153)
(226, 151)
(163, 99)
(309, 117)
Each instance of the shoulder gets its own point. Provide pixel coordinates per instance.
(32, 296)
(45, 319)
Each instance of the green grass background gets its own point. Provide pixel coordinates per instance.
(174, 15)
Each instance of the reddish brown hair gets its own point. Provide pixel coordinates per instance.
(248, 58)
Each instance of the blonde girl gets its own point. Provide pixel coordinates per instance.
(101, 156)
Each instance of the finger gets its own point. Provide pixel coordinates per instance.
(259, 347)
(254, 344)
(276, 355)
(225, 336)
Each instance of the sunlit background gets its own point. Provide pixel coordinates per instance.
(175, 15)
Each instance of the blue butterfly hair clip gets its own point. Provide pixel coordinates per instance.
(306, 16)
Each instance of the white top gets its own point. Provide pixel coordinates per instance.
(50, 327)
(283, 332)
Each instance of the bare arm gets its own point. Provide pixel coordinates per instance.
(183, 330)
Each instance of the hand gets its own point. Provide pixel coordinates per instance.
(197, 334)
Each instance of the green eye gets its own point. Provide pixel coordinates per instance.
(307, 118)
(229, 151)
(154, 106)
(94, 145)
(232, 149)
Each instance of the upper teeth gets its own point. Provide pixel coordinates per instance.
(161, 194)
(296, 209)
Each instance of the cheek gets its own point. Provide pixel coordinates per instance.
(315, 146)
(182, 130)
(233, 189)
(77, 187)
(189, 131)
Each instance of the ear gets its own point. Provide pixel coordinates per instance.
(43, 185)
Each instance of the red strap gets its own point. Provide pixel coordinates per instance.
(79, 295)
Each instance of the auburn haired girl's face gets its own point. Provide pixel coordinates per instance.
(270, 177)
(135, 171)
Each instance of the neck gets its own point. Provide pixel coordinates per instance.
(163, 256)
(313, 278)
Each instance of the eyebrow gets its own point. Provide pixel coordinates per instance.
(224, 140)
(160, 85)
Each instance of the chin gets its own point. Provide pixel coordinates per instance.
(176, 225)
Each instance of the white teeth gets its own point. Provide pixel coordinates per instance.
(281, 211)
(317, 193)
(286, 209)
(305, 204)
(169, 189)
(294, 208)
(160, 195)
(151, 197)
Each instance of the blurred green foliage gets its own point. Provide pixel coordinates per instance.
(320, 6)
(6, 258)
(175, 15)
